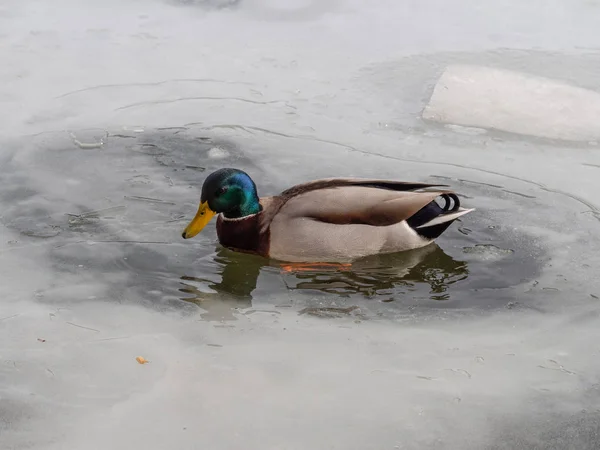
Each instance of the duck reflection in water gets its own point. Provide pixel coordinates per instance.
(236, 276)
(385, 274)
(232, 278)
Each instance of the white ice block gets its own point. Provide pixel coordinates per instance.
(515, 102)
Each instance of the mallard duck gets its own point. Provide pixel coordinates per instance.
(326, 220)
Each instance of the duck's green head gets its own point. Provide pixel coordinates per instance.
(228, 191)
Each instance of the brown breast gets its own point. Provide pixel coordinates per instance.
(243, 235)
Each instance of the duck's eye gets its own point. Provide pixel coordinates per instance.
(221, 191)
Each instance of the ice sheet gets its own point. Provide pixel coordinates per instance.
(114, 111)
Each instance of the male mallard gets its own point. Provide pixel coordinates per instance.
(327, 220)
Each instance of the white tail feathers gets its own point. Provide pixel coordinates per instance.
(447, 217)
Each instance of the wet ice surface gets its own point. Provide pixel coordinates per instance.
(114, 112)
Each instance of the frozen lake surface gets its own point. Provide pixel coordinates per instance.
(113, 112)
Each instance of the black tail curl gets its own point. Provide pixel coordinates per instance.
(430, 212)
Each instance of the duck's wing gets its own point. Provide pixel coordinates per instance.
(326, 183)
(356, 201)
(345, 219)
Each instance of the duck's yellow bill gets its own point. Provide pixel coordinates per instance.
(201, 219)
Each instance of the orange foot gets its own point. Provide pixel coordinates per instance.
(307, 267)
